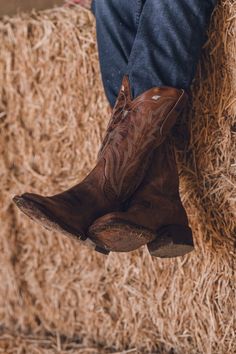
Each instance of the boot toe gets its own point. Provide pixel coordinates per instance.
(50, 214)
(28, 204)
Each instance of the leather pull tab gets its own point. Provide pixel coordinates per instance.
(173, 114)
(125, 88)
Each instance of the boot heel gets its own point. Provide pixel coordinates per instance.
(172, 241)
(102, 250)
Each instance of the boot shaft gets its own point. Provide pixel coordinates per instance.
(136, 128)
(158, 196)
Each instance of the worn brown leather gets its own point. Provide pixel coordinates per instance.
(136, 128)
(155, 204)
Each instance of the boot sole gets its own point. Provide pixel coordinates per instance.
(119, 236)
(44, 218)
(172, 241)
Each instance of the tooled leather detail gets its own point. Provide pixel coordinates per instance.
(132, 135)
(117, 115)
(122, 172)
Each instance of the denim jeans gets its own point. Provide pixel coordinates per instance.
(154, 42)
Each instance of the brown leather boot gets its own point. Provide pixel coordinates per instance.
(136, 128)
(155, 215)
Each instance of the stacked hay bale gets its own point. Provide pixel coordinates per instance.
(57, 296)
(11, 7)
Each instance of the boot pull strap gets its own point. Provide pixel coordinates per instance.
(173, 114)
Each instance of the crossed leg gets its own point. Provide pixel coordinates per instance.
(156, 42)
(154, 49)
(163, 51)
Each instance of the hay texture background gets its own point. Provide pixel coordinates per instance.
(59, 297)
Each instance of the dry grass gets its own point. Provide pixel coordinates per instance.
(11, 7)
(58, 297)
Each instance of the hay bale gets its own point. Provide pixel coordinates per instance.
(11, 7)
(53, 114)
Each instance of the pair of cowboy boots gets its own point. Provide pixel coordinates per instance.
(131, 197)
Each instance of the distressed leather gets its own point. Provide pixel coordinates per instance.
(136, 128)
(154, 205)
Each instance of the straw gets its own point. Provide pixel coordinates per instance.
(55, 295)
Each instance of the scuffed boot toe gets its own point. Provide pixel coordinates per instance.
(46, 212)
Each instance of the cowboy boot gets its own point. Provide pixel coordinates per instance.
(136, 128)
(155, 215)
